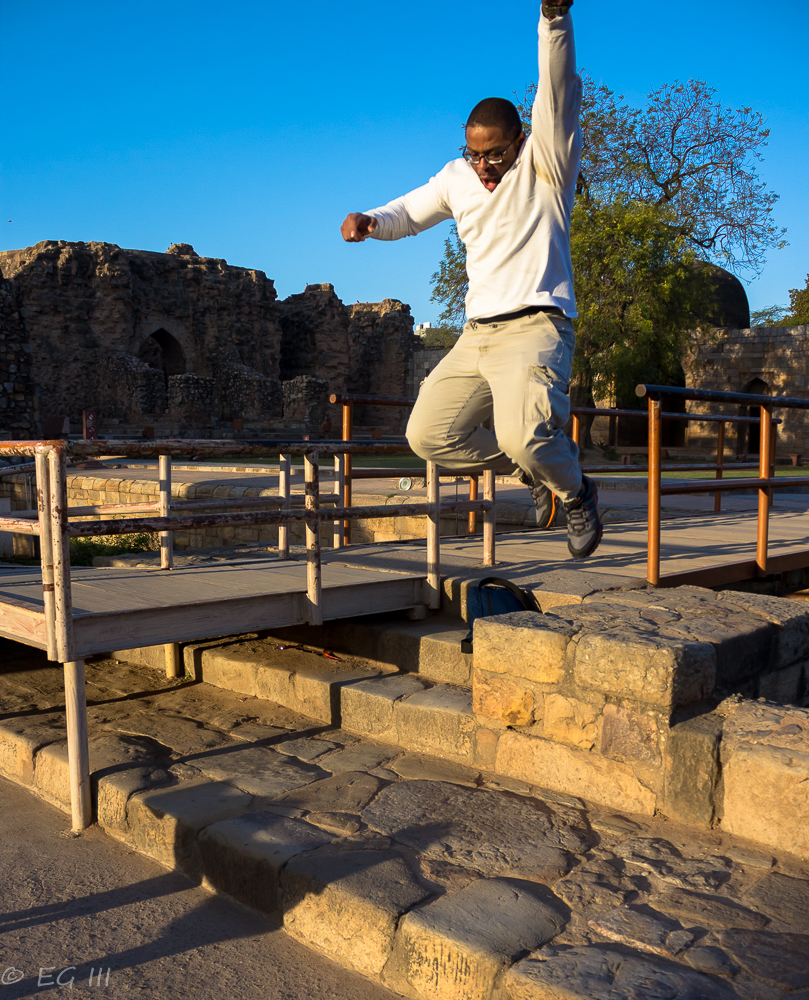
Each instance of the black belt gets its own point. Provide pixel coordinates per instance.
(528, 311)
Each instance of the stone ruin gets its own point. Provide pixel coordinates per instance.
(184, 345)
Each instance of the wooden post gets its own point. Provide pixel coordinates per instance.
(339, 486)
(653, 543)
(78, 754)
(764, 462)
(284, 492)
(166, 537)
(314, 589)
(433, 545)
(473, 514)
(348, 431)
(720, 461)
(171, 650)
(488, 519)
(46, 548)
(60, 542)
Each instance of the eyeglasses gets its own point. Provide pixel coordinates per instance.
(493, 159)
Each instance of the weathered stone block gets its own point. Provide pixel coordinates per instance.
(164, 823)
(476, 829)
(497, 696)
(226, 669)
(485, 751)
(19, 743)
(575, 772)
(523, 644)
(693, 770)
(598, 973)
(244, 856)
(629, 736)
(787, 686)
(646, 668)
(115, 790)
(257, 770)
(347, 904)
(439, 721)
(367, 706)
(458, 947)
(568, 720)
(767, 796)
(349, 792)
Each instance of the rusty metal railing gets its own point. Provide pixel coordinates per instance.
(765, 483)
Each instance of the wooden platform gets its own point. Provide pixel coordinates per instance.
(116, 608)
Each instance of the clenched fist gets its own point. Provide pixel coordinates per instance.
(357, 227)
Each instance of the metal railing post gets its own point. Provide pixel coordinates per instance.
(764, 493)
(284, 494)
(433, 543)
(339, 486)
(720, 461)
(575, 430)
(488, 519)
(653, 550)
(46, 548)
(166, 537)
(314, 588)
(348, 431)
(472, 525)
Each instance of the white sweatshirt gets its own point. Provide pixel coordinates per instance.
(517, 237)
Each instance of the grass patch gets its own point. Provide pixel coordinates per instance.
(82, 550)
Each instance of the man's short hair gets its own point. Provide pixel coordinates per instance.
(496, 112)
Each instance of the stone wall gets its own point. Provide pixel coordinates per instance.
(95, 309)
(363, 348)
(424, 360)
(759, 360)
(185, 343)
(16, 388)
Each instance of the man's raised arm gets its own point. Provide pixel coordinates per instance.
(555, 130)
(406, 216)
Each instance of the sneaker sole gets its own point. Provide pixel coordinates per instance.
(584, 555)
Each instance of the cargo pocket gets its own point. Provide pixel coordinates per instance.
(546, 400)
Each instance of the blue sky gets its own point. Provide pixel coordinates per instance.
(251, 129)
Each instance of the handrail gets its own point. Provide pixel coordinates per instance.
(55, 531)
(765, 483)
(658, 392)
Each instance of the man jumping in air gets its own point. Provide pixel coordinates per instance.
(511, 198)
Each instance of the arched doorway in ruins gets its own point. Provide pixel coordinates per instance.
(757, 387)
(163, 351)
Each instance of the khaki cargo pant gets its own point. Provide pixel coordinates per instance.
(519, 372)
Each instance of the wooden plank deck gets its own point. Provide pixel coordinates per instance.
(116, 608)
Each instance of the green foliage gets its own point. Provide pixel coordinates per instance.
(637, 285)
(798, 305)
(770, 316)
(441, 336)
(450, 282)
(82, 550)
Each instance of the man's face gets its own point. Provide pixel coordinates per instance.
(482, 140)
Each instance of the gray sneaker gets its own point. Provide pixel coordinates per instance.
(583, 523)
(546, 502)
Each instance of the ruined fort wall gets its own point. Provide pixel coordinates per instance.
(16, 386)
(761, 360)
(190, 344)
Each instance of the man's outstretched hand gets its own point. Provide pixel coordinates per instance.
(357, 227)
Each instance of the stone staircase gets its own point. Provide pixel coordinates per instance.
(635, 700)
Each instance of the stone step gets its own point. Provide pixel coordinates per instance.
(430, 881)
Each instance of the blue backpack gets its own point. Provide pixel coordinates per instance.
(495, 596)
